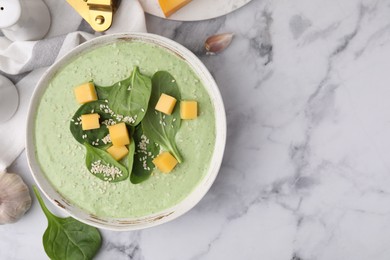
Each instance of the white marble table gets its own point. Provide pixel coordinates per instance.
(306, 173)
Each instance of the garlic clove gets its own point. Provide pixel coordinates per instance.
(217, 43)
(15, 198)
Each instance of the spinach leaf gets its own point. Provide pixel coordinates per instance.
(67, 238)
(102, 165)
(130, 155)
(129, 98)
(103, 92)
(160, 127)
(146, 150)
(127, 161)
(95, 137)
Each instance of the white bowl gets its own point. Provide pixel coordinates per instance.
(122, 224)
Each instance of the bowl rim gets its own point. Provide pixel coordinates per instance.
(126, 224)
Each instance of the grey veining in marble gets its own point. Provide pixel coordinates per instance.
(306, 173)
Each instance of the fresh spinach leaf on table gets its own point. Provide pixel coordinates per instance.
(95, 137)
(102, 165)
(67, 238)
(145, 151)
(130, 97)
(160, 127)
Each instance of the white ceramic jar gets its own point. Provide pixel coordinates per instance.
(24, 20)
(9, 99)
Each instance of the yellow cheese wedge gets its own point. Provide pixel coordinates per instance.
(188, 109)
(166, 104)
(118, 152)
(171, 6)
(165, 162)
(119, 135)
(85, 93)
(90, 121)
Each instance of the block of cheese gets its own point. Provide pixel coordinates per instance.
(119, 135)
(170, 6)
(118, 152)
(165, 162)
(85, 93)
(166, 104)
(188, 109)
(90, 121)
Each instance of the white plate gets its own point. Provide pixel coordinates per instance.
(196, 10)
(122, 224)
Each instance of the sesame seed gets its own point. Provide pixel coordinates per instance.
(106, 139)
(108, 171)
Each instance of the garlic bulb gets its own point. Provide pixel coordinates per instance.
(15, 198)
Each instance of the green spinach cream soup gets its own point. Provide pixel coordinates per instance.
(63, 159)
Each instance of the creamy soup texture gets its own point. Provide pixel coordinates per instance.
(62, 158)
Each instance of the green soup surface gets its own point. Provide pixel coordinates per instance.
(62, 158)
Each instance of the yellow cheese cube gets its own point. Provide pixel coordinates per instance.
(118, 152)
(165, 162)
(188, 109)
(90, 121)
(171, 6)
(119, 135)
(166, 104)
(85, 93)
